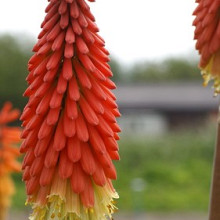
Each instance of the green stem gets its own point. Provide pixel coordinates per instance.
(214, 211)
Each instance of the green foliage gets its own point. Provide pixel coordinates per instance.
(175, 167)
(116, 69)
(19, 199)
(169, 69)
(14, 56)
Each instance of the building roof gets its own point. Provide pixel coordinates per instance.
(166, 97)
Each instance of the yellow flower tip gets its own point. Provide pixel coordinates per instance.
(212, 72)
(72, 208)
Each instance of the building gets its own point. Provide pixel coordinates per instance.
(156, 108)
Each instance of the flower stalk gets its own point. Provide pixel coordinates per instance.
(214, 212)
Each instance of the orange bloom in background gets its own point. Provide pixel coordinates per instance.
(70, 129)
(207, 34)
(9, 138)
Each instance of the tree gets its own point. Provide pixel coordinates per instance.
(173, 69)
(14, 55)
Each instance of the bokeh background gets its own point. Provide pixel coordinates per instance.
(168, 119)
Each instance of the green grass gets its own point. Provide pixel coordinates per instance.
(176, 169)
(19, 198)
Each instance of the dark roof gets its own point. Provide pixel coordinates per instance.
(166, 97)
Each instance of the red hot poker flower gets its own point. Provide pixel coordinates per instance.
(70, 129)
(9, 136)
(207, 34)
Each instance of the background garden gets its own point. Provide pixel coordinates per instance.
(168, 172)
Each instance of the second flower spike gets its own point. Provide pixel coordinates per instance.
(207, 34)
(70, 130)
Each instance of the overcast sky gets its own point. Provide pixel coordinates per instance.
(133, 29)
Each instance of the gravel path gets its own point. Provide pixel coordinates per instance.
(121, 216)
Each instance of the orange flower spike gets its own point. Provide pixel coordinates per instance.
(207, 34)
(9, 136)
(70, 127)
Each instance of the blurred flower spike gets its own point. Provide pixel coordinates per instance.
(70, 129)
(9, 138)
(207, 34)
